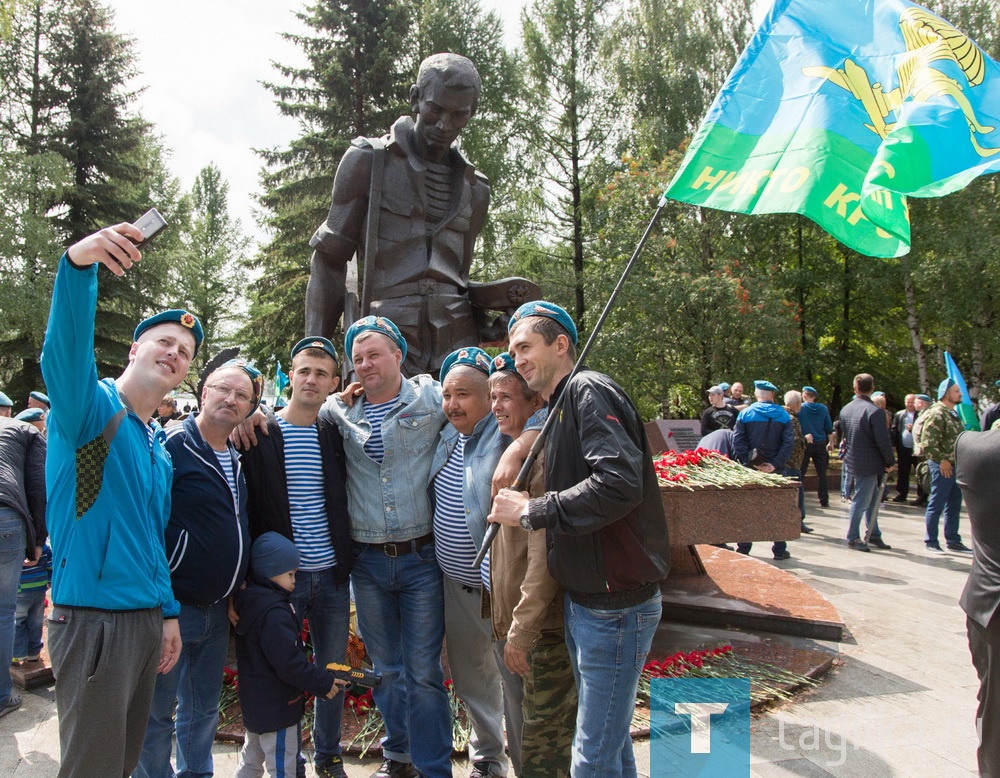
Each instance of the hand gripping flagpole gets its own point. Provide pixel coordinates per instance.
(522, 477)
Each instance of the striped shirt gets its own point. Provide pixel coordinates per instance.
(37, 577)
(307, 497)
(226, 463)
(375, 414)
(453, 545)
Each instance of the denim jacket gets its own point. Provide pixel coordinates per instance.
(389, 502)
(482, 453)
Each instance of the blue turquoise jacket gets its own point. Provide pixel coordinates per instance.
(768, 428)
(388, 502)
(112, 557)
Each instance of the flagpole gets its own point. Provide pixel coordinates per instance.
(522, 477)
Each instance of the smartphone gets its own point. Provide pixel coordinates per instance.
(150, 224)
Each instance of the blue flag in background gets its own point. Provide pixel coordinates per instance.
(966, 409)
(280, 380)
(839, 111)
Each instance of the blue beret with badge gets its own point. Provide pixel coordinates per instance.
(549, 311)
(174, 316)
(470, 356)
(502, 361)
(5, 401)
(316, 342)
(378, 324)
(31, 414)
(765, 386)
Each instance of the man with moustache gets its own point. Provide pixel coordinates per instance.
(297, 476)
(609, 545)
(467, 454)
(113, 622)
(209, 546)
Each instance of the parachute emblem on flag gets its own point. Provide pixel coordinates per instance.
(928, 39)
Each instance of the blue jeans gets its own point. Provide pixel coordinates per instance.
(29, 617)
(195, 684)
(327, 606)
(607, 649)
(867, 496)
(946, 497)
(12, 540)
(401, 617)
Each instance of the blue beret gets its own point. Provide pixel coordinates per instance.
(42, 398)
(5, 401)
(810, 390)
(373, 324)
(766, 386)
(502, 361)
(723, 386)
(470, 356)
(177, 316)
(256, 379)
(944, 386)
(925, 397)
(548, 310)
(273, 554)
(31, 414)
(316, 342)
(996, 383)
(878, 394)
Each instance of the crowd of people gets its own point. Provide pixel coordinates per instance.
(871, 443)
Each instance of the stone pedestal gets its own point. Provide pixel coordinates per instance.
(731, 515)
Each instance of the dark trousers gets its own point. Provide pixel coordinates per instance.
(984, 643)
(904, 458)
(818, 455)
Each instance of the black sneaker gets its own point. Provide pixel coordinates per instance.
(899, 498)
(959, 548)
(934, 548)
(12, 704)
(824, 503)
(806, 528)
(393, 769)
(331, 768)
(879, 543)
(858, 545)
(782, 555)
(481, 770)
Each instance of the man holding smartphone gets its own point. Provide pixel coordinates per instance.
(113, 623)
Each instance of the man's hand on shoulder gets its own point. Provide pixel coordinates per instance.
(353, 391)
(244, 436)
(110, 247)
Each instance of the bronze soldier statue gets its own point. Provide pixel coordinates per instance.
(410, 206)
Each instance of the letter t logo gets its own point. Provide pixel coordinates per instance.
(701, 722)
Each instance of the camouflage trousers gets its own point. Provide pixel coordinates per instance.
(549, 709)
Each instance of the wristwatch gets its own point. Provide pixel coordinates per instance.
(525, 520)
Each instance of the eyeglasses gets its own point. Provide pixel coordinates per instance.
(224, 390)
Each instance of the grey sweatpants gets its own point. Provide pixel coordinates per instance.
(105, 666)
(277, 751)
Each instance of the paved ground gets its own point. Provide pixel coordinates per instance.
(902, 703)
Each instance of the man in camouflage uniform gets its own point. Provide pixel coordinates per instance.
(939, 429)
(793, 403)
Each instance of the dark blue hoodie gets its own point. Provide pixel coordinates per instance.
(274, 673)
(768, 428)
(815, 421)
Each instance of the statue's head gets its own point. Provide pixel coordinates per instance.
(444, 98)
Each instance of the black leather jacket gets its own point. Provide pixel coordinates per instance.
(607, 531)
(22, 478)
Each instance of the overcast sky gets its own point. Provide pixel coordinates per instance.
(201, 62)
